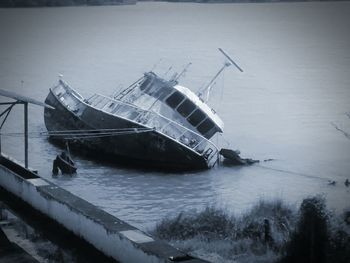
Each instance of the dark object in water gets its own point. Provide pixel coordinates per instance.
(331, 182)
(232, 158)
(347, 183)
(64, 163)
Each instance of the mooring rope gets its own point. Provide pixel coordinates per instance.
(80, 134)
(104, 135)
(292, 172)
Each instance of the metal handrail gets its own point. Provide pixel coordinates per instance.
(153, 113)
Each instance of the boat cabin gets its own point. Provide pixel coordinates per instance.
(173, 101)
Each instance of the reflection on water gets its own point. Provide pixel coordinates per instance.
(295, 82)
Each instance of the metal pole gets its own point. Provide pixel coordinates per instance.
(208, 87)
(25, 104)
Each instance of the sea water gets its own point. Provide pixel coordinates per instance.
(295, 87)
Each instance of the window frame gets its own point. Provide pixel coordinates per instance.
(182, 104)
(177, 105)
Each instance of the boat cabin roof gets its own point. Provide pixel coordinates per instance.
(201, 105)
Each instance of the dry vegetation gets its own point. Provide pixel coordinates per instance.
(270, 232)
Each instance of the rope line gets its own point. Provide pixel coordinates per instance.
(292, 172)
(80, 134)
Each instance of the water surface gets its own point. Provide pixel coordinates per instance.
(296, 82)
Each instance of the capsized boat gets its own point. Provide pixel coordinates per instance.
(154, 122)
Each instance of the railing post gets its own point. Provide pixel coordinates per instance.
(25, 104)
(152, 118)
(196, 147)
(164, 126)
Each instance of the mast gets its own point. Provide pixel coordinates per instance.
(206, 90)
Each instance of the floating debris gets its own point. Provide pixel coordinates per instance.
(64, 163)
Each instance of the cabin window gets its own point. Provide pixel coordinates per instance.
(155, 88)
(196, 117)
(211, 132)
(205, 126)
(186, 108)
(174, 99)
(162, 92)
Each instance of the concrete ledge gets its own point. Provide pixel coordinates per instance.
(52, 231)
(10, 252)
(112, 236)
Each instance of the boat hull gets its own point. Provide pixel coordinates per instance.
(144, 149)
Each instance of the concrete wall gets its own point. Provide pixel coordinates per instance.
(112, 236)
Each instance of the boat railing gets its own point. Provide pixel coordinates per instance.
(68, 97)
(150, 119)
(76, 94)
(158, 122)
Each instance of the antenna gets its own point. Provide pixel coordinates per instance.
(156, 64)
(173, 77)
(166, 73)
(230, 59)
(206, 89)
(183, 71)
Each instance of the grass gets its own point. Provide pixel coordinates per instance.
(271, 231)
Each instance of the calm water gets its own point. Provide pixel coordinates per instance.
(296, 82)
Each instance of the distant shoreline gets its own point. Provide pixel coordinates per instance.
(55, 3)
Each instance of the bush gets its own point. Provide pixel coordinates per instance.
(309, 242)
(276, 214)
(339, 240)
